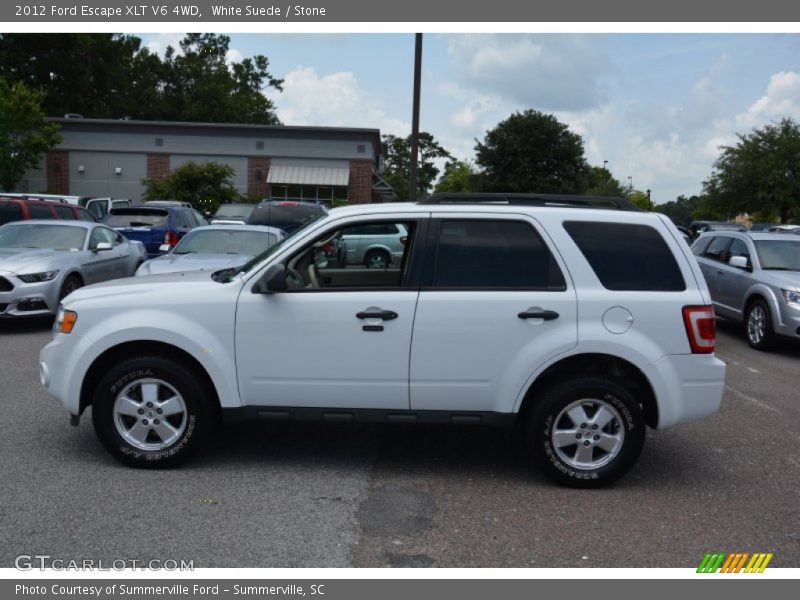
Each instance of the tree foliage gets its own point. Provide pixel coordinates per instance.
(397, 163)
(761, 173)
(104, 75)
(599, 182)
(532, 152)
(204, 185)
(457, 176)
(681, 210)
(24, 134)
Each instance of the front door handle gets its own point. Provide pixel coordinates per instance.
(377, 313)
(538, 313)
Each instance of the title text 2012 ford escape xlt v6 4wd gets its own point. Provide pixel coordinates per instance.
(583, 319)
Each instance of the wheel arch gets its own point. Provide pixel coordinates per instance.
(103, 362)
(619, 370)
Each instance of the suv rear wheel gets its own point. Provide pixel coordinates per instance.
(152, 412)
(377, 259)
(586, 432)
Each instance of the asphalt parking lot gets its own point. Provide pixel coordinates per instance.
(337, 496)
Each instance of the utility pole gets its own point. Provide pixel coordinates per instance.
(413, 177)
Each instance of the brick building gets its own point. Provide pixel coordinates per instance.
(103, 157)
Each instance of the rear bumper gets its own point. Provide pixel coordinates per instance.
(688, 387)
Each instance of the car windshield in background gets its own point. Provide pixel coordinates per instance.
(142, 217)
(234, 211)
(779, 255)
(57, 237)
(223, 241)
(285, 215)
(271, 250)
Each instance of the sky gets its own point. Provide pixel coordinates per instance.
(657, 107)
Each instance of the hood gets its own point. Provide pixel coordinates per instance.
(789, 280)
(142, 291)
(31, 260)
(174, 263)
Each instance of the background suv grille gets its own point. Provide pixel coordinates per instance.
(5, 285)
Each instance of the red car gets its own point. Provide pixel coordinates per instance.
(18, 209)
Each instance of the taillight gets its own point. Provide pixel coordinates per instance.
(701, 328)
(404, 240)
(171, 239)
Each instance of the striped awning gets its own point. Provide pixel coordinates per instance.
(302, 171)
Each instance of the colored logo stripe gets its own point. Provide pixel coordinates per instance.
(733, 563)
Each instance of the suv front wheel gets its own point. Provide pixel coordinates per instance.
(586, 432)
(152, 412)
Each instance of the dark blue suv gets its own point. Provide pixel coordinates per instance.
(154, 226)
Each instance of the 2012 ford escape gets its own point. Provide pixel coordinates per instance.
(581, 319)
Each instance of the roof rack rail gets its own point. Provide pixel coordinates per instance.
(561, 200)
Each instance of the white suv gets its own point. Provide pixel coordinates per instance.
(580, 319)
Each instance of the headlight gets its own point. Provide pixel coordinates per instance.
(38, 277)
(65, 320)
(791, 297)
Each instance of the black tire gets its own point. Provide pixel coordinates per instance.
(758, 326)
(194, 425)
(377, 259)
(71, 283)
(547, 417)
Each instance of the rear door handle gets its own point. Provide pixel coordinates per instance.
(547, 315)
(377, 313)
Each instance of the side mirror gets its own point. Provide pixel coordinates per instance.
(102, 246)
(164, 248)
(740, 262)
(274, 280)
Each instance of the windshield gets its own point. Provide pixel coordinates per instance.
(234, 211)
(57, 237)
(271, 250)
(779, 255)
(225, 241)
(137, 218)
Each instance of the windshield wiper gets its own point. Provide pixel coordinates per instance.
(781, 268)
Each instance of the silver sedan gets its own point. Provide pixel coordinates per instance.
(41, 262)
(214, 247)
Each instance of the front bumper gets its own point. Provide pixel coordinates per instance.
(688, 387)
(788, 322)
(29, 299)
(62, 366)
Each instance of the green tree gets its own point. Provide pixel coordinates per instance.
(397, 163)
(681, 210)
(599, 182)
(104, 75)
(457, 176)
(204, 185)
(199, 85)
(761, 173)
(532, 152)
(640, 199)
(24, 133)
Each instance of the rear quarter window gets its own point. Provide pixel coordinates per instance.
(627, 257)
(10, 211)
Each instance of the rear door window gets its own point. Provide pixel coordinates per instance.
(40, 211)
(65, 212)
(627, 256)
(493, 254)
